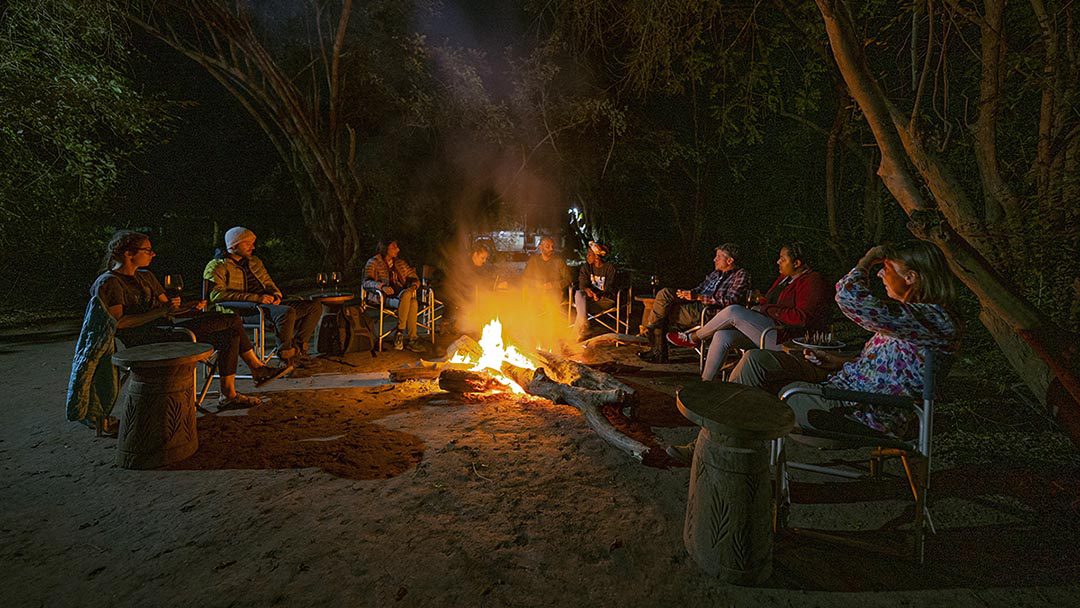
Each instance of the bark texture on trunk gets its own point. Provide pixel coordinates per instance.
(951, 223)
(319, 154)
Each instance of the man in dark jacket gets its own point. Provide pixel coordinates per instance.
(596, 286)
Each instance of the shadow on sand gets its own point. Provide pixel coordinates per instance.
(1036, 548)
(295, 431)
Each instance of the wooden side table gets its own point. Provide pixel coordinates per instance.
(646, 313)
(728, 527)
(157, 426)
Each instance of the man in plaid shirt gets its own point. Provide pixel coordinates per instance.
(728, 284)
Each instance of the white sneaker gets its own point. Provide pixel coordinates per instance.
(399, 342)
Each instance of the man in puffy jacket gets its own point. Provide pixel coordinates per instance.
(240, 276)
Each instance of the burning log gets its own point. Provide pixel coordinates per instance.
(425, 371)
(577, 374)
(465, 346)
(463, 381)
(588, 400)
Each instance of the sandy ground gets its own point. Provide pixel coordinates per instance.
(403, 495)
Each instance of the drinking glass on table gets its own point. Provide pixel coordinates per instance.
(320, 280)
(335, 279)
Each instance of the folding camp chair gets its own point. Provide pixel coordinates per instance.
(615, 318)
(428, 313)
(914, 454)
(257, 328)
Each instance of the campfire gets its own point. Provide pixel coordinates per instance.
(493, 365)
(493, 355)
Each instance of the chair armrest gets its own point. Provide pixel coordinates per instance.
(903, 402)
(182, 330)
(241, 307)
(838, 394)
(365, 292)
(774, 330)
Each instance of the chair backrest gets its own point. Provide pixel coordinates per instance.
(936, 368)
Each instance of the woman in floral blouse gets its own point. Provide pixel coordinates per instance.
(917, 315)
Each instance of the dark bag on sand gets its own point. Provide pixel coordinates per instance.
(349, 331)
(358, 335)
(330, 336)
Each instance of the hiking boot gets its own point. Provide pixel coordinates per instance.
(416, 347)
(682, 454)
(301, 360)
(399, 342)
(657, 352)
(685, 339)
(269, 373)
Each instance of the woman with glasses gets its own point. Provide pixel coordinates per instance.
(135, 298)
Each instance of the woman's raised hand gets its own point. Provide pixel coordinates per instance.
(874, 255)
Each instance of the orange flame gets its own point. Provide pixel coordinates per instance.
(493, 353)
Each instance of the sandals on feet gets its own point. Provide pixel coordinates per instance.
(238, 401)
(269, 373)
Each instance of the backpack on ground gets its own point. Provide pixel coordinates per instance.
(358, 335)
(330, 336)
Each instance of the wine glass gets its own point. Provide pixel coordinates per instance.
(174, 285)
(320, 280)
(335, 279)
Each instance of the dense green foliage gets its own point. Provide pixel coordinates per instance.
(69, 121)
(673, 126)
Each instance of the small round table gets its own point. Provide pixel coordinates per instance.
(157, 426)
(331, 299)
(728, 527)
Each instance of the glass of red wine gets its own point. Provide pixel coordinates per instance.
(320, 280)
(335, 279)
(174, 286)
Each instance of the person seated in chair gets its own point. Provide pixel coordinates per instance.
(596, 286)
(473, 279)
(798, 301)
(387, 272)
(546, 272)
(917, 315)
(135, 298)
(479, 275)
(240, 276)
(728, 284)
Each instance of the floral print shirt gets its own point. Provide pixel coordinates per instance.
(891, 362)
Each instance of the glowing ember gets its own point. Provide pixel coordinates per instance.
(494, 354)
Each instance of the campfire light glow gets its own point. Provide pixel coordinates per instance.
(494, 354)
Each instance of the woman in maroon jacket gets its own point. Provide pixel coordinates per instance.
(798, 301)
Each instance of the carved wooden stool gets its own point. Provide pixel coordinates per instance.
(157, 426)
(728, 528)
